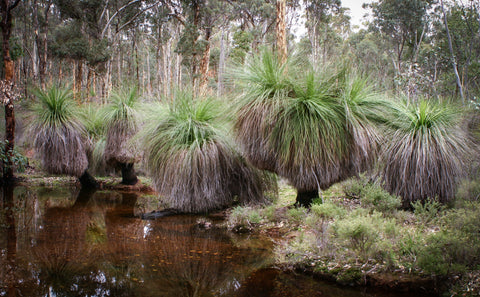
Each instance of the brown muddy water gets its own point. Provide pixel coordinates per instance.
(59, 242)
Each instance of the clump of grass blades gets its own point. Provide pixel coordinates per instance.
(59, 134)
(313, 129)
(192, 162)
(120, 118)
(426, 152)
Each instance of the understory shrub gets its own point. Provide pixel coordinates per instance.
(20, 162)
(360, 233)
(379, 199)
(243, 218)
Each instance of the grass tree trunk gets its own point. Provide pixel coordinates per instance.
(87, 181)
(306, 197)
(128, 174)
(6, 7)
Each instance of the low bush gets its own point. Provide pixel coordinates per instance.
(353, 188)
(243, 219)
(377, 198)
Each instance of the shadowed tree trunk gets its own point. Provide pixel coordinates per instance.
(6, 7)
(128, 174)
(306, 197)
(87, 181)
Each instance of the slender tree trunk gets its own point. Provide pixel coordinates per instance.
(221, 63)
(36, 43)
(44, 56)
(7, 92)
(281, 31)
(89, 82)
(204, 63)
(450, 47)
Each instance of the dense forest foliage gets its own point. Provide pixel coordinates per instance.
(98, 45)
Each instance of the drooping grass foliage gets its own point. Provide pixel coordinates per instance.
(314, 129)
(120, 119)
(59, 134)
(193, 164)
(426, 151)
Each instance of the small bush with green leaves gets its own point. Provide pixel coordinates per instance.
(243, 219)
(353, 188)
(326, 211)
(359, 232)
(296, 215)
(377, 198)
(428, 211)
(19, 161)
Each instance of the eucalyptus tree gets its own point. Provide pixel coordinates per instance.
(402, 22)
(6, 85)
(89, 29)
(323, 20)
(198, 18)
(193, 162)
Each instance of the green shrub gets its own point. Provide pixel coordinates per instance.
(427, 211)
(326, 211)
(445, 253)
(353, 188)
(360, 233)
(297, 215)
(20, 162)
(243, 219)
(376, 197)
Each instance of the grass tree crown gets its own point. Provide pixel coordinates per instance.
(120, 118)
(193, 164)
(314, 127)
(59, 133)
(427, 151)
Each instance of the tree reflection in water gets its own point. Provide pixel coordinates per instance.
(94, 246)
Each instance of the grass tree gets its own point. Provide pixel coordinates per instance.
(121, 125)
(193, 164)
(314, 130)
(59, 134)
(426, 152)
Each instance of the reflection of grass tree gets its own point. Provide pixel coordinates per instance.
(193, 163)
(124, 245)
(62, 254)
(187, 261)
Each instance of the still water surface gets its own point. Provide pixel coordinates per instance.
(58, 242)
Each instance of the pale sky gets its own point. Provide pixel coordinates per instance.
(356, 10)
